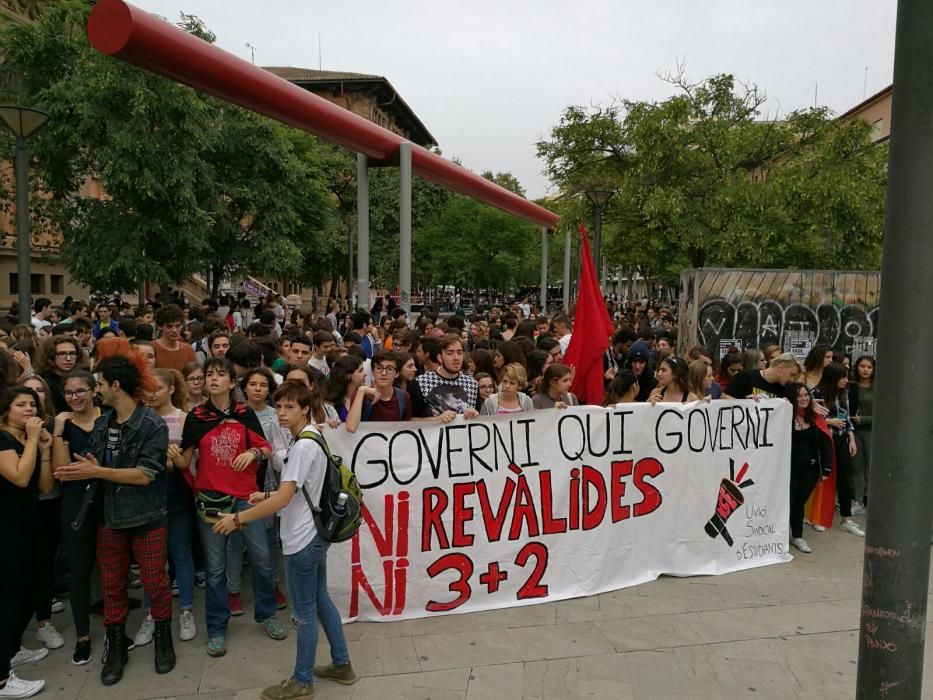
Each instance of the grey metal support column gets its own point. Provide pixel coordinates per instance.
(350, 293)
(544, 244)
(23, 244)
(362, 228)
(567, 255)
(404, 218)
(598, 245)
(897, 549)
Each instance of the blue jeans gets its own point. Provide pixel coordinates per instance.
(307, 587)
(180, 531)
(235, 547)
(217, 607)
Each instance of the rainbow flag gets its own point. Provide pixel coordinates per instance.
(821, 505)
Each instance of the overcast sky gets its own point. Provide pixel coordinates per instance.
(489, 78)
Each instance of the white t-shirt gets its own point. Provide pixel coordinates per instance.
(319, 365)
(564, 343)
(305, 463)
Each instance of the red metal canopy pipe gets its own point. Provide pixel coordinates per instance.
(118, 29)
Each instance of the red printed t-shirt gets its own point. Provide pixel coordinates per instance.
(216, 452)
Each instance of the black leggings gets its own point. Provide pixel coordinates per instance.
(18, 553)
(47, 538)
(802, 482)
(81, 546)
(845, 489)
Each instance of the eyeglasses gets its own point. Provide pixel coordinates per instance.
(77, 393)
(66, 354)
(195, 380)
(384, 369)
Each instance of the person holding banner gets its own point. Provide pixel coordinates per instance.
(383, 401)
(303, 466)
(555, 388)
(771, 382)
(672, 382)
(811, 459)
(509, 398)
(447, 391)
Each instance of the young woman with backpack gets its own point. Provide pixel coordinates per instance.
(303, 468)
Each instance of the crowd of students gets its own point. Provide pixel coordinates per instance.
(166, 466)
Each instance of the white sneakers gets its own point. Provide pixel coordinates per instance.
(852, 528)
(858, 508)
(28, 656)
(19, 688)
(146, 630)
(51, 637)
(187, 630)
(801, 544)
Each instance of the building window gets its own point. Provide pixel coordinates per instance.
(876, 127)
(37, 284)
(57, 284)
(14, 284)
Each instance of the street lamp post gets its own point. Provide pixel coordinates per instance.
(598, 200)
(23, 122)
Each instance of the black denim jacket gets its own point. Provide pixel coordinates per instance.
(144, 444)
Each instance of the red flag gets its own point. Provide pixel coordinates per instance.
(592, 331)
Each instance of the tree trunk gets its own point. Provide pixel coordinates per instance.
(216, 273)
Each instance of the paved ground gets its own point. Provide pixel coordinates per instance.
(786, 631)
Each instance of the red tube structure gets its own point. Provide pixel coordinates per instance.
(119, 29)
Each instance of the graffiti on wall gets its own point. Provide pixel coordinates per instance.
(770, 323)
(794, 310)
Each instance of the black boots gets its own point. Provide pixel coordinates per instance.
(164, 650)
(115, 655)
(116, 652)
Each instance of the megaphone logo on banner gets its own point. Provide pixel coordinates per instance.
(728, 500)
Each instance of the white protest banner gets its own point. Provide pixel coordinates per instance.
(547, 505)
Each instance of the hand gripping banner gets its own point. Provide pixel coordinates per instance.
(547, 505)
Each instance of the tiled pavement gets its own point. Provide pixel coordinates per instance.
(786, 631)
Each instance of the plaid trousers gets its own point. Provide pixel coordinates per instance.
(150, 551)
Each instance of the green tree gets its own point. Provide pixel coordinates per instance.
(191, 183)
(826, 196)
(268, 207)
(428, 201)
(701, 180)
(474, 245)
(108, 122)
